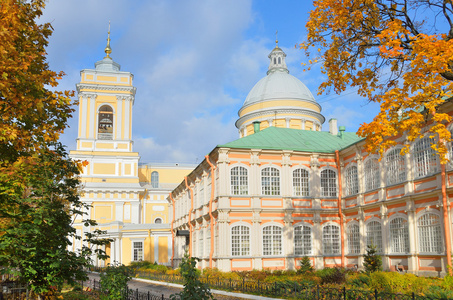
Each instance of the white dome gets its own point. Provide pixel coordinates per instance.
(279, 86)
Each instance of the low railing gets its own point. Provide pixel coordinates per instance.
(128, 294)
(12, 290)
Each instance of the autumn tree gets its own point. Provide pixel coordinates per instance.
(38, 182)
(398, 53)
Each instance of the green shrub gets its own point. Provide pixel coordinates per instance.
(436, 292)
(305, 265)
(361, 280)
(332, 275)
(372, 261)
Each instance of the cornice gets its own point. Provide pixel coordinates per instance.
(116, 88)
(281, 112)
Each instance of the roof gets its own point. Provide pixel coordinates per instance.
(274, 138)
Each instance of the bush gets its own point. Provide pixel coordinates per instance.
(332, 275)
(114, 280)
(372, 261)
(305, 265)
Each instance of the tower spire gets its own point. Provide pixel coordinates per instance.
(276, 38)
(108, 50)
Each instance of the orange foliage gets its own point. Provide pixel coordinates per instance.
(396, 56)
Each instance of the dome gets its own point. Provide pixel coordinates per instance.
(279, 86)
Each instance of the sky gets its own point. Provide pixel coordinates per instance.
(194, 62)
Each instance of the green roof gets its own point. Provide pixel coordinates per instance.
(273, 138)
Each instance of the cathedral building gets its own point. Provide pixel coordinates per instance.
(285, 189)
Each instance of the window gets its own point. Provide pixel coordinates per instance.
(137, 251)
(395, 167)
(239, 181)
(200, 243)
(399, 236)
(352, 181)
(270, 181)
(300, 182)
(272, 240)
(158, 221)
(328, 183)
(105, 123)
(354, 239)
(374, 235)
(155, 179)
(240, 240)
(425, 158)
(372, 176)
(429, 233)
(331, 239)
(302, 240)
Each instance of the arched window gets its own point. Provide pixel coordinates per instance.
(425, 158)
(429, 233)
(105, 123)
(395, 166)
(300, 182)
(155, 179)
(270, 181)
(279, 60)
(239, 181)
(331, 239)
(240, 240)
(399, 235)
(372, 174)
(352, 181)
(272, 240)
(374, 235)
(328, 183)
(354, 239)
(158, 221)
(302, 240)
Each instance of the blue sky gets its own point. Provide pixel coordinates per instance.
(194, 62)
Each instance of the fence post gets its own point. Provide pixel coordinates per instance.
(230, 283)
(243, 283)
(162, 296)
(344, 293)
(136, 294)
(375, 294)
(413, 296)
(148, 295)
(94, 284)
(259, 288)
(317, 291)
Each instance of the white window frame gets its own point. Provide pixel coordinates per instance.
(241, 246)
(133, 241)
(155, 182)
(274, 186)
(303, 241)
(329, 190)
(351, 179)
(239, 183)
(373, 234)
(353, 237)
(425, 158)
(430, 235)
(398, 234)
(272, 241)
(301, 184)
(372, 173)
(395, 167)
(331, 241)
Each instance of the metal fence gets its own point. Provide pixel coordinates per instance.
(12, 290)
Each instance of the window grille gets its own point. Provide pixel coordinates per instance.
(352, 181)
(200, 243)
(331, 239)
(272, 240)
(395, 167)
(300, 182)
(399, 235)
(201, 195)
(372, 174)
(138, 251)
(425, 158)
(239, 181)
(374, 235)
(302, 240)
(354, 239)
(270, 181)
(328, 183)
(155, 179)
(429, 234)
(240, 240)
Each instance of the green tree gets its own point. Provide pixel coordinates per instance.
(194, 289)
(372, 262)
(305, 265)
(39, 195)
(114, 281)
